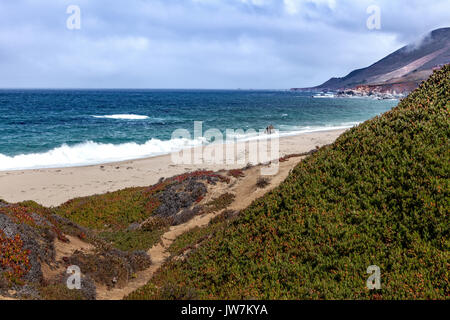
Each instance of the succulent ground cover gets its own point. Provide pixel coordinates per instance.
(378, 196)
(194, 237)
(28, 233)
(135, 218)
(26, 239)
(121, 226)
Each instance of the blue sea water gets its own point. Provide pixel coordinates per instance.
(55, 128)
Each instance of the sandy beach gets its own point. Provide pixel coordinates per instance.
(51, 187)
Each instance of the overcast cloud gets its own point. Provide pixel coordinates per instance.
(202, 43)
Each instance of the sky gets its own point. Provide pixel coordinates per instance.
(210, 44)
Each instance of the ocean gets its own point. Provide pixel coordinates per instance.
(59, 128)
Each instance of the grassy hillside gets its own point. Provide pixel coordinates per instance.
(37, 244)
(378, 196)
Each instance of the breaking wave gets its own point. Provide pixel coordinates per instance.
(123, 117)
(89, 153)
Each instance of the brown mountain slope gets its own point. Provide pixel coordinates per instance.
(399, 72)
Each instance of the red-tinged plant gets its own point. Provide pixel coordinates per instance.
(18, 214)
(152, 204)
(14, 260)
(236, 173)
(202, 174)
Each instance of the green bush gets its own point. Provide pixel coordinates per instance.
(113, 210)
(133, 240)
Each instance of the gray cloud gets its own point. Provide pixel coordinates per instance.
(201, 43)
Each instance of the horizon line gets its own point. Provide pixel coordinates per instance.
(163, 89)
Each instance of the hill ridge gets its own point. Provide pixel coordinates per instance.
(399, 72)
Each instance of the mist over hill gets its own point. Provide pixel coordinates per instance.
(399, 72)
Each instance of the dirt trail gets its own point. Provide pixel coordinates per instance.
(159, 254)
(64, 249)
(245, 191)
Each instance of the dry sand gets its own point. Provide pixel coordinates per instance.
(51, 187)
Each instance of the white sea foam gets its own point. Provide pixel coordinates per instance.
(123, 117)
(90, 153)
(295, 130)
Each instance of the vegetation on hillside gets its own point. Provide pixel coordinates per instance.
(28, 235)
(119, 227)
(135, 218)
(378, 196)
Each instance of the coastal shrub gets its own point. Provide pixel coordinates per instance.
(171, 291)
(262, 182)
(193, 237)
(110, 267)
(219, 203)
(186, 215)
(14, 259)
(133, 240)
(135, 218)
(226, 215)
(236, 173)
(378, 196)
(154, 223)
(209, 176)
(26, 241)
(27, 238)
(197, 235)
(66, 226)
(297, 155)
(179, 196)
(113, 210)
(59, 291)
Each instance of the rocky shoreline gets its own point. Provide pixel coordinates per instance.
(369, 94)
